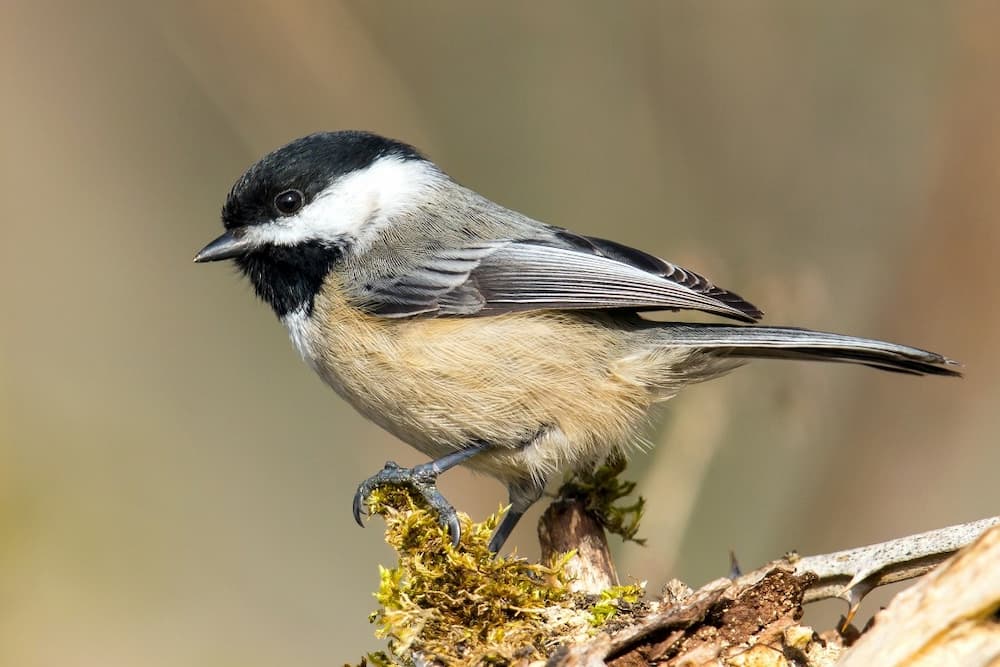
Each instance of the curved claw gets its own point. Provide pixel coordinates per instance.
(450, 521)
(419, 480)
(359, 501)
(387, 475)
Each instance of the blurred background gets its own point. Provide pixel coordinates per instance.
(175, 484)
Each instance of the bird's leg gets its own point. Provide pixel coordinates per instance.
(420, 479)
(523, 495)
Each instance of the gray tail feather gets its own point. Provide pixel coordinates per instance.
(755, 342)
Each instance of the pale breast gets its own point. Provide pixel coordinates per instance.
(441, 383)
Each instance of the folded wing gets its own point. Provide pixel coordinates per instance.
(556, 272)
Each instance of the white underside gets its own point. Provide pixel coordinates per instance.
(300, 330)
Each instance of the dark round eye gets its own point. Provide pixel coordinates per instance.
(288, 202)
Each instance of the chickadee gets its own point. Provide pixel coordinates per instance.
(478, 335)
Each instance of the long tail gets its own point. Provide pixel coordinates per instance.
(757, 342)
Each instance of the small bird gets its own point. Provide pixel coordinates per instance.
(476, 334)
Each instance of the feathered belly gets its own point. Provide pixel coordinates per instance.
(548, 390)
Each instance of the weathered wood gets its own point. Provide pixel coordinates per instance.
(950, 617)
(566, 526)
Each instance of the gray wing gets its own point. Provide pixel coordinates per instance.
(558, 272)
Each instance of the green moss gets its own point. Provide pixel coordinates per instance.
(611, 601)
(463, 606)
(601, 490)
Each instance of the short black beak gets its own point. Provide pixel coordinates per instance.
(226, 246)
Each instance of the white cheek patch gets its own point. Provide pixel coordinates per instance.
(355, 204)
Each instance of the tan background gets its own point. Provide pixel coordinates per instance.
(175, 485)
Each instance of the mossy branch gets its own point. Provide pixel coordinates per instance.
(445, 605)
(465, 606)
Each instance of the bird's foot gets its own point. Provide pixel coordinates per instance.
(420, 480)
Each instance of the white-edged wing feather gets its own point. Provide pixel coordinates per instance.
(558, 272)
